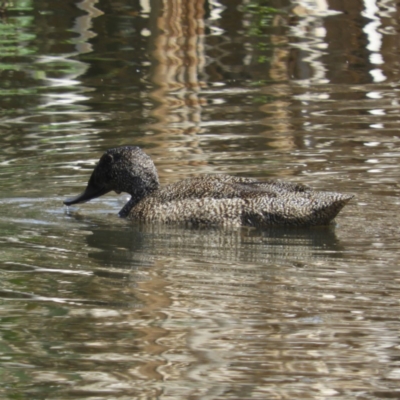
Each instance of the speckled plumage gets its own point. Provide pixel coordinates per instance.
(209, 199)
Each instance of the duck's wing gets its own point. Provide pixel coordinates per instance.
(227, 187)
(270, 185)
(269, 188)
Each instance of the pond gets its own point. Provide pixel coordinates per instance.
(97, 307)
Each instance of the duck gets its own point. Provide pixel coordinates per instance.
(211, 200)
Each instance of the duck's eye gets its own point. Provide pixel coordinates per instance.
(106, 159)
(117, 157)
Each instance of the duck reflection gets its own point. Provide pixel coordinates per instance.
(140, 244)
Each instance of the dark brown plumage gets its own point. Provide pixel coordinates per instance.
(207, 199)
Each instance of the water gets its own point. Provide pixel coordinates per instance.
(95, 307)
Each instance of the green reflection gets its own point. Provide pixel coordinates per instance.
(262, 17)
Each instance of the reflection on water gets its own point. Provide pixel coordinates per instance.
(48, 80)
(93, 306)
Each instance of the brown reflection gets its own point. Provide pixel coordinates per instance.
(156, 300)
(177, 44)
(84, 24)
(346, 42)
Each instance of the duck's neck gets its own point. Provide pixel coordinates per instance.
(137, 196)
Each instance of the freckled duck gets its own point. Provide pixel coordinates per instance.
(209, 199)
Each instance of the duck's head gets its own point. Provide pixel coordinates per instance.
(122, 169)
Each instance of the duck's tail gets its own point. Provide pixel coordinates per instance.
(312, 209)
(327, 206)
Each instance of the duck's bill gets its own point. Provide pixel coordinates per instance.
(89, 194)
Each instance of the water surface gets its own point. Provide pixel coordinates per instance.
(96, 307)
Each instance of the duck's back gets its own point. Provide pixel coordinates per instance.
(226, 187)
